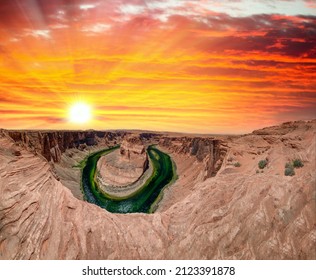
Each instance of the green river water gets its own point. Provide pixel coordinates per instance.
(145, 199)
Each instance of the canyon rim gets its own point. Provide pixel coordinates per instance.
(223, 204)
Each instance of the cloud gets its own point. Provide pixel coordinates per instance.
(44, 33)
(191, 67)
(132, 9)
(290, 36)
(96, 28)
(86, 7)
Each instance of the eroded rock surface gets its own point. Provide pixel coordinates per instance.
(51, 144)
(238, 214)
(126, 165)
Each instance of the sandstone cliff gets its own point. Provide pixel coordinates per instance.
(126, 165)
(238, 214)
(132, 145)
(51, 144)
(210, 151)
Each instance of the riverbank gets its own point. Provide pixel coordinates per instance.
(140, 200)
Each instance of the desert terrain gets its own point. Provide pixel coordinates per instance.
(235, 197)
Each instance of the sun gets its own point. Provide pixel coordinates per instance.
(80, 113)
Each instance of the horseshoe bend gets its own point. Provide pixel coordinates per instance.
(158, 195)
(143, 191)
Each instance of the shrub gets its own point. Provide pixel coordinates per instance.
(289, 167)
(289, 171)
(257, 171)
(262, 163)
(297, 163)
(237, 164)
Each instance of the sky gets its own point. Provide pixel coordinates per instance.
(197, 66)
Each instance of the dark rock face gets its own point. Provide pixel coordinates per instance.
(51, 144)
(148, 135)
(210, 151)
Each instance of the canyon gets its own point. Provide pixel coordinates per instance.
(222, 205)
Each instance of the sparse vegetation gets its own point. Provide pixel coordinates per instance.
(297, 163)
(257, 171)
(289, 167)
(289, 171)
(262, 163)
(237, 164)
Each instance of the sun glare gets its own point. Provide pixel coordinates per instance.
(80, 113)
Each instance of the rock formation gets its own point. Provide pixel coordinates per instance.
(209, 150)
(51, 144)
(243, 212)
(132, 146)
(126, 165)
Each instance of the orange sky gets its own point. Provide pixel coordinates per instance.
(156, 65)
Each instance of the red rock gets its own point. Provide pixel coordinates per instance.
(234, 215)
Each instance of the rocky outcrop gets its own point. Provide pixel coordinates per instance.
(284, 128)
(210, 151)
(124, 166)
(52, 144)
(238, 214)
(132, 145)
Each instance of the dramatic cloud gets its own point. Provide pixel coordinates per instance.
(198, 66)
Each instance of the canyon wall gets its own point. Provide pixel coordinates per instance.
(51, 144)
(206, 150)
(238, 214)
(65, 149)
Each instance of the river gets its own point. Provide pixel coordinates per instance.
(143, 201)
